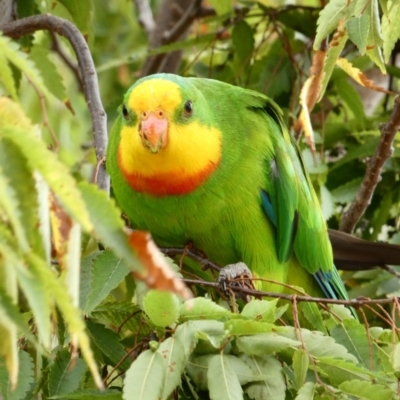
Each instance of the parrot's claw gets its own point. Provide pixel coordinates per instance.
(228, 276)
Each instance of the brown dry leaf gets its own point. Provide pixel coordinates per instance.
(308, 97)
(61, 225)
(158, 274)
(358, 76)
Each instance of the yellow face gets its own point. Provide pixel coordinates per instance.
(192, 150)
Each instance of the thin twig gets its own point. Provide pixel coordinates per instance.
(374, 169)
(56, 46)
(26, 26)
(145, 15)
(352, 303)
(46, 122)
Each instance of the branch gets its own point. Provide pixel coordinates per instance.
(87, 69)
(351, 303)
(145, 16)
(374, 169)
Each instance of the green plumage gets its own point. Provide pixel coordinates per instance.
(258, 207)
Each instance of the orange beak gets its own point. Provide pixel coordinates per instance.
(153, 130)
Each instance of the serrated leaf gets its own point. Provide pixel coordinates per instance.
(319, 345)
(264, 343)
(161, 307)
(186, 334)
(272, 385)
(173, 354)
(306, 392)
(107, 271)
(15, 167)
(25, 378)
(336, 45)
(329, 19)
(48, 71)
(312, 314)
(366, 390)
(301, 362)
(71, 314)
(107, 223)
(375, 39)
(7, 78)
(11, 51)
(358, 29)
(108, 343)
(223, 383)
(53, 171)
(390, 28)
(260, 310)
(197, 368)
(240, 327)
(243, 41)
(242, 370)
(202, 308)
(340, 371)
(65, 373)
(86, 279)
(351, 334)
(144, 378)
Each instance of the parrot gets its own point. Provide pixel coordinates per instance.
(195, 160)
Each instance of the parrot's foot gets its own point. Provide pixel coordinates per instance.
(236, 275)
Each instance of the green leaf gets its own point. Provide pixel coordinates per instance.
(391, 28)
(81, 12)
(11, 51)
(144, 379)
(319, 345)
(53, 171)
(240, 327)
(358, 29)
(264, 343)
(197, 368)
(306, 392)
(25, 378)
(108, 343)
(92, 394)
(329, 19)
(15, 167)
(340, 371)
(202, 308)
(352, 335)
(173, 354)
(347, 192)
(65, 373)
(244, 373)
(301, 362)
(260, 310)
(243, 41)
(106, 273)
(86, 279)
(335, 48)
(366, 390)
(7, 78)
(223, 383)
(186, 334)
(222, 6)
(312, 314)
(51, 76)
(375, 39)
(272, 386)
(395, 357)
(108, 225)
(161, 307)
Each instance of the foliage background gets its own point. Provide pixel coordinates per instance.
(268, 46)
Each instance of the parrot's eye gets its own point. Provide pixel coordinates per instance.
(188, 108)
(125, 112)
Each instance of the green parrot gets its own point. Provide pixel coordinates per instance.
(201, 161)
